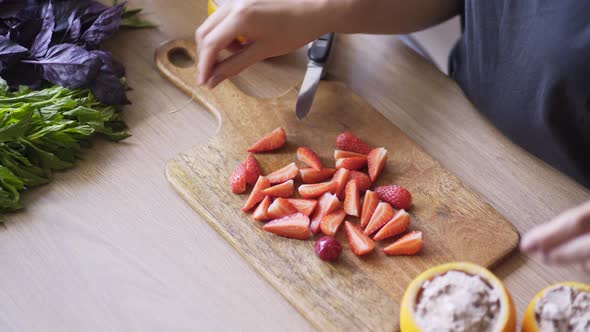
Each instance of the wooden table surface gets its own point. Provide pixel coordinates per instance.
(109, 246)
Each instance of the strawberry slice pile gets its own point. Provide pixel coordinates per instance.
(330, 197)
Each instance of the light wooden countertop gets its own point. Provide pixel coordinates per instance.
(109, 245)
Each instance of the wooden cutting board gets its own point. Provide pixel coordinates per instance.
(353, 293)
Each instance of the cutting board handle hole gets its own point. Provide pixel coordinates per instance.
(180, 57)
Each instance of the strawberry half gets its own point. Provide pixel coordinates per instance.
(285, 189)
(340, 178)
(305, 206)
(286, 173)
(352, 200)
(238, 179)
(409, 244)
(274, 140)
(281, 208)
(360, 244)
(383, 213)
(398, 196)
(376, 161)
(369, 205)
(256, 195)
(261, 211)
(362, 180)
(351, 163)
(338, 154)
(295, 226)
(326, 204)
(309, 157)
(347, 141)
(332, 221)
(310, 175)
(397, 225)
(253, 170)
(316, 190)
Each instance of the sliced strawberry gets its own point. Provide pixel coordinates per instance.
(352, 163)
(310, 175)
(238, 179)
(338, 154)
(369, 205)
(362, 180)
(326, 204)
(281, 208)
(253, 170)
(309, 157)
(408, 244)
(360, 244)
(352, 200)
(347, 141)
(383, 213)
(397, 225)
(261, 211)
(305, 206)
(398, 196)
(316, 190)
(270, 142)
(376, 161)
(256, 195)
(284, 174)
(331, 222)
(340, 178)
(295, 226)
(285, 189)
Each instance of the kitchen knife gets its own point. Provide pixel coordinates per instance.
(318, 55)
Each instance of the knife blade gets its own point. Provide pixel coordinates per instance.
(318, 55)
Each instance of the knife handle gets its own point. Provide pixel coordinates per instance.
(320, 48)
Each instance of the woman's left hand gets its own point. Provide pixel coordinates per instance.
(564, 240)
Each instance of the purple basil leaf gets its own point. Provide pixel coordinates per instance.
(41, 43)
(107, 59)
(69, 65)
(75, 30)
(10, 50)
(107, 87)
(105, 25)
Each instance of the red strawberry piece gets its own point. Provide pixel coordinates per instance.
(256, 195)
(261, 211)
(326, 204)
(281, 208)
(369, 205)
(286, 173)
(338, 154)
(409, 244)
(270, 142)
(352, 200)
(310, 175)
(383, 213)
(397, 225)
(352, 163)
(238, 180)
(331, 222)
(362, 180)
(285, 189)
(316, 190)
(305, 206)
(398, 196)
(340, 178)
(347, 141)
(360, 244)
(309, 157)
(328, 248)
(295, 226)
(376, 161)
(253, 170)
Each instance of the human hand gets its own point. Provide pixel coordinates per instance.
(565, 239)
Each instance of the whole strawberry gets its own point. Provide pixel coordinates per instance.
(398, 196)
(328, 248)
(347, 141)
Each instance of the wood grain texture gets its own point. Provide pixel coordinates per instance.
(354, 293)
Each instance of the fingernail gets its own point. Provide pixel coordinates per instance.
(214, 80)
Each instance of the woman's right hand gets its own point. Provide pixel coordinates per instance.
(271, 28)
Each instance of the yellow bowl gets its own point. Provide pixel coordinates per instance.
(529, 321)
(507, 319)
